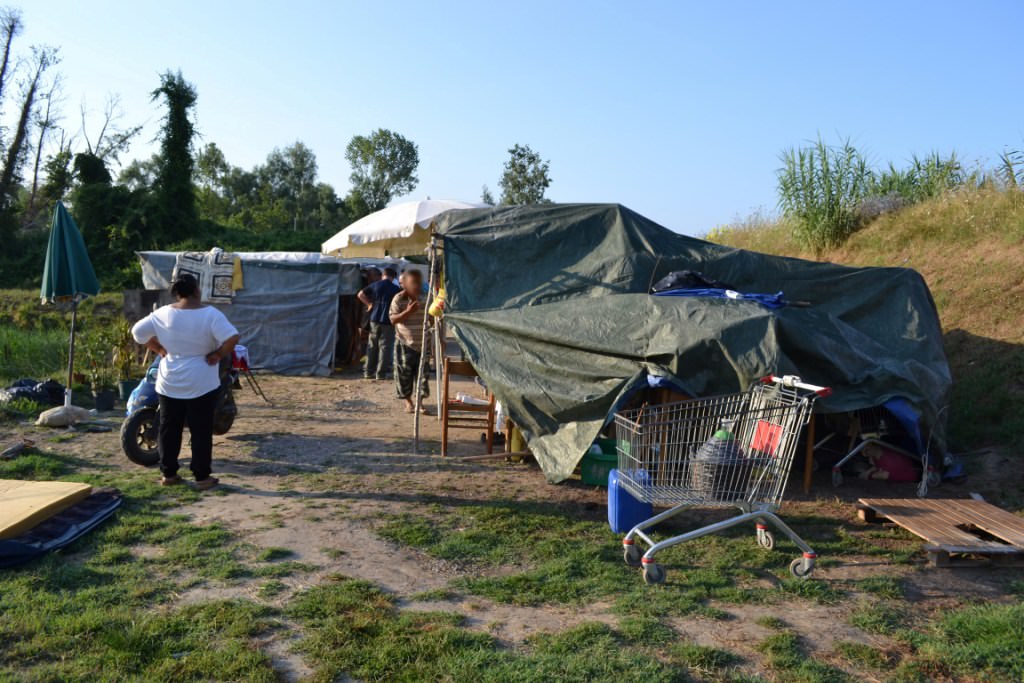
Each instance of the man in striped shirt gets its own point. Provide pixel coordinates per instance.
(406, 313)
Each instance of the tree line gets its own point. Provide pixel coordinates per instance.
(186, 196)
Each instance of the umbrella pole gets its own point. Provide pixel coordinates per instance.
(423, 350)
(71, 352)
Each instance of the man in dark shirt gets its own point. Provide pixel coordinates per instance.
(380, 346)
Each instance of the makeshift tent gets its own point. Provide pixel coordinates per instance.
(287, 312)
(551, 305)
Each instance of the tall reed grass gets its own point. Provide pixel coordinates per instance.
(820, 187)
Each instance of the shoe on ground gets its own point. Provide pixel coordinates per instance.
(171, 481)
(207, 483)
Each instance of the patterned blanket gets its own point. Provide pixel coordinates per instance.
(218, 272)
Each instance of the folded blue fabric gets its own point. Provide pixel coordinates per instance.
(766, 300)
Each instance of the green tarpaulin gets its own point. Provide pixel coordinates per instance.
(551, 305)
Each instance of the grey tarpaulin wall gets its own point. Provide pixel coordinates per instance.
(287, 314)
(550, 304)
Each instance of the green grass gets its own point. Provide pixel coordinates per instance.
(560, 559)
(862, 655)
(274, 554)
(882, 586)
(641, 630)
(772, 622)
(271, 589)
(981, 642)
(355, 629)
(882, 618)
(37, 354)
(106, 604)
(701, 658)
(785, 654)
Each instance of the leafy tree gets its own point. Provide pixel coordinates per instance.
(486, 197)
(57, 176)
(140, 174)
(175, 195)
(525, 178)
(290, 176)
(383, 167)
(211, 166)
(211, 170)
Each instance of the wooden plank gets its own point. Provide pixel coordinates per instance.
(913, 516)
(999, 550)
(940, 557)
(946, 520)
(994, 520)
(939, 521)
(973, 513)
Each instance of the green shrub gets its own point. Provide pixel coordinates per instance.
(925, 178)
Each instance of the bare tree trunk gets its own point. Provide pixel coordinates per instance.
(10, 26)
(16, 149)
(46, 124)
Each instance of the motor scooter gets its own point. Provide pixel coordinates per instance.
(141, 425)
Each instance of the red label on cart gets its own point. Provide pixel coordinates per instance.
(766, 437)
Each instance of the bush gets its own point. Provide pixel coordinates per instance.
(820, 188)
(925, 178)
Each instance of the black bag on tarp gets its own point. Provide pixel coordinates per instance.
(688, 279)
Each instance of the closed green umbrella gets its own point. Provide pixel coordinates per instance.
(67, 274)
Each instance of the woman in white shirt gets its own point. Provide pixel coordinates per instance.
(188, 381)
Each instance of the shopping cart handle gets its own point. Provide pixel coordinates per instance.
(793, 381)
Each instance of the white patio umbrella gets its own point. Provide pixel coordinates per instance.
(399, 230)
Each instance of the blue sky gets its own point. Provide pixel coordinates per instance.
(677, 110)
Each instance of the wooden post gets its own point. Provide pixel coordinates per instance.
(809, 457)
(423, 347)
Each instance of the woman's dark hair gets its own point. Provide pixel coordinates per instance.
(184, 286)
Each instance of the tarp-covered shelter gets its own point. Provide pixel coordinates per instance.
(287, 312)
(552, 306)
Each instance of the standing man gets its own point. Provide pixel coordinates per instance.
(380, 345)
(407, 311)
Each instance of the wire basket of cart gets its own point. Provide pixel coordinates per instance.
(725, 451)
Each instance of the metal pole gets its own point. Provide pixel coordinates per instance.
(71, 352)
(423, 348)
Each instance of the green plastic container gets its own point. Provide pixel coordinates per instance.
(594, 468)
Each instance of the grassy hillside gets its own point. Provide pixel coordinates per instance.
(969, 246)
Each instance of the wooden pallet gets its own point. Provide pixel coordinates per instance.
(958, 532)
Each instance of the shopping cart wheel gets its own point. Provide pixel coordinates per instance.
(653, 573)
(766, 539)
(632, 555)
(837, 478)
(801, 568)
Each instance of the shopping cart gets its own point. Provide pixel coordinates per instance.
(723, 451)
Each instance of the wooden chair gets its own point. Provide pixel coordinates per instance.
(458, 415)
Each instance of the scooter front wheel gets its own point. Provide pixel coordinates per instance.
(139, 437)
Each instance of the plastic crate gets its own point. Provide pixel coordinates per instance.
(594, 467)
